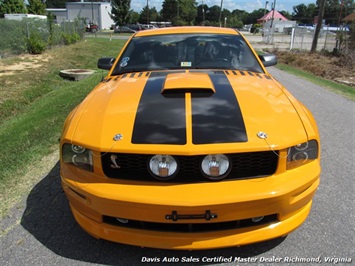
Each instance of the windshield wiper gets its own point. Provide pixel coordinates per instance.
(125, 71)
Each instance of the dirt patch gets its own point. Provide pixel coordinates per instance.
(25, 63)
(336, 68)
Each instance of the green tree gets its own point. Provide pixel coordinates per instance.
(336, 10)
(212, 15)
(305, 13)
(254, 16)
(148, 15)
(234, 22)
(12, 7)
(286, 14)
(300, 12)
(179, 12)
(133, 17)
(241, 14)
(120, 11)
(187, 11)
(169, 11)
(36, 7)
(225, 16)
(201, 12)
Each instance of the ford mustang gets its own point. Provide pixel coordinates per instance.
(189, 143)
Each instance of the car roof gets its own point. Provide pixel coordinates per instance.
(186, 29)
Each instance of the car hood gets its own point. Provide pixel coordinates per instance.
(186, 112)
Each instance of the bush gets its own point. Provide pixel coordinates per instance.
(35, 45)
(35, 35)
(70, 38)
(255, 28)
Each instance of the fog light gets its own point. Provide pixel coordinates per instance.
(257, 219)
(215, 166)
(163, 167)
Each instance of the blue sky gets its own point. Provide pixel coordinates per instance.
(248, 6)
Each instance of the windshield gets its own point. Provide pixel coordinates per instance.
(187, 51)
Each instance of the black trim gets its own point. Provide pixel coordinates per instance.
(181, 227)
(133, 167)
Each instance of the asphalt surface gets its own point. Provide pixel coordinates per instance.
(40, 230)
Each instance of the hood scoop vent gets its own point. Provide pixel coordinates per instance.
(188, 82)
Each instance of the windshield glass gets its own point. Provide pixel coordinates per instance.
(187, 51)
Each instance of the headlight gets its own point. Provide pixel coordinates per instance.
(301, 154)
(78, 156)
(163, 167)
(215, 166)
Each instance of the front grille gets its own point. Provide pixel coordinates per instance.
(190, 227)
(244, 165)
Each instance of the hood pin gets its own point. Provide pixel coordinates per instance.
(262, 135)
(117, 137)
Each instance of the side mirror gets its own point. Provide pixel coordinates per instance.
(268, 59)
(105, 63)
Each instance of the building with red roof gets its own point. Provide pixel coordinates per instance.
(272, 14)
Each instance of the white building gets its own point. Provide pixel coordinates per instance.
(60, 14)
(22, 16)
(92, 12)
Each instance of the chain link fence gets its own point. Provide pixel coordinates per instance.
(34, 35)
(292, 37)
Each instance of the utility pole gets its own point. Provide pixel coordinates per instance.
(92, 11)
(273, 13)
(265, 7)
(203, 13)
(341, 9)
(270, 38)
(147, 13)
(319, 25)
(220, 15)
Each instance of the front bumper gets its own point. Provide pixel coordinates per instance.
(286, 196)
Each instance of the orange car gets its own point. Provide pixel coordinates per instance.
(189, 143)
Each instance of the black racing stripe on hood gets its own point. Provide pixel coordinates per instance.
(217, 118)
(160, 119)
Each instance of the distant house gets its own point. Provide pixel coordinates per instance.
(350, 18)
(92, 12)
(273, 14)
(277, 22)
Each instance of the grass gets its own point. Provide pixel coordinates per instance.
(36, 103)
(344, 90)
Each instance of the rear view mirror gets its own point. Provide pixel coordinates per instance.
(268, 59)
(106, 63)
